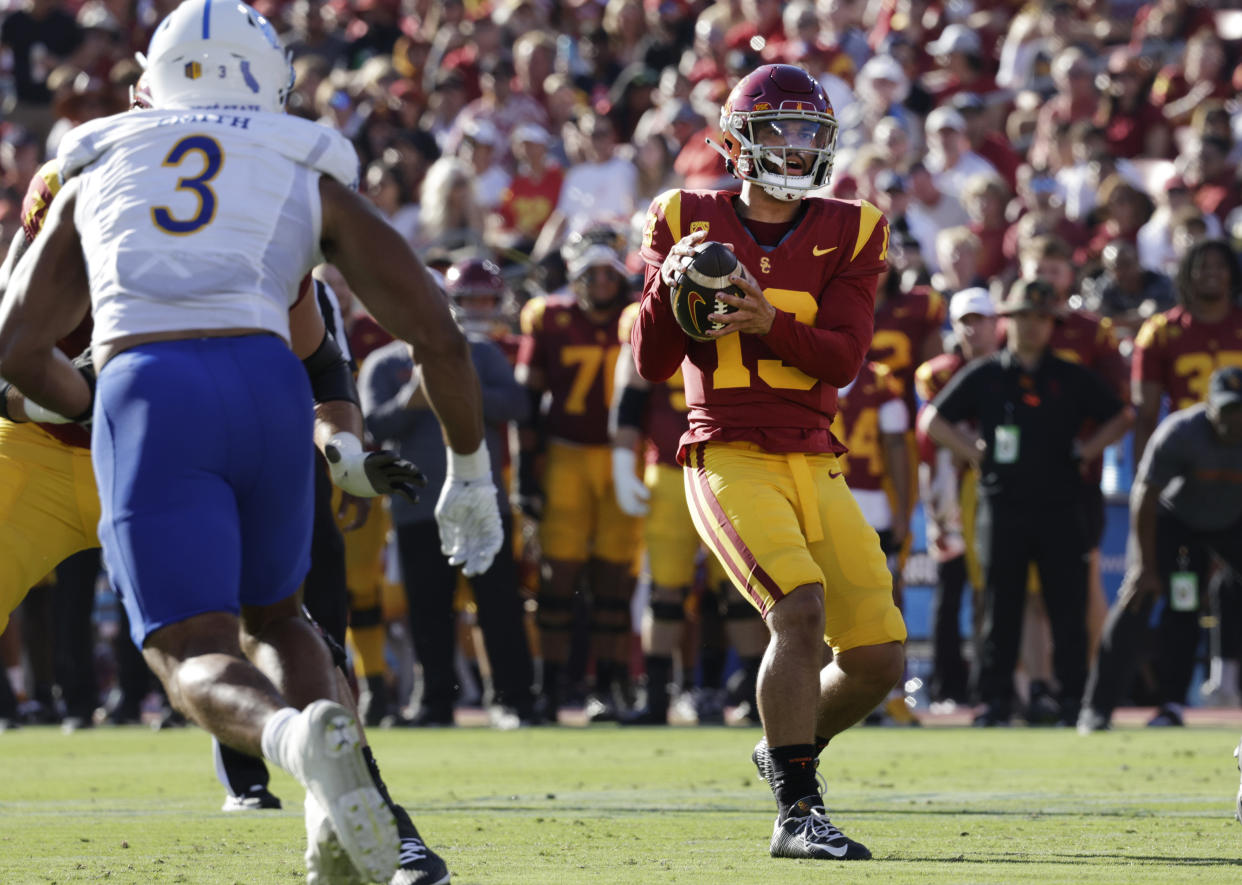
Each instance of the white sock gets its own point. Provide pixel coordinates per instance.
(273, 738)
(1228, 674)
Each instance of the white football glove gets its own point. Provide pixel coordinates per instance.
(367, 474)
(632, 493)
(469, 519)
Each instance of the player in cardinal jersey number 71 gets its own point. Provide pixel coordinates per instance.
(762, 479)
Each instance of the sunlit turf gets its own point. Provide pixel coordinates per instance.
(604, 805)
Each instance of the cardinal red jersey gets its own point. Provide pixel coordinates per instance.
(666, 406)
(779, 390)
(858, 424)
(576, 357)
(40, 193)
(902, 324)
(1178, 352)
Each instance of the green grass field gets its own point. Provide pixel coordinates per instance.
(601, 805)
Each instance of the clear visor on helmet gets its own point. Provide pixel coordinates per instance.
(796, 149)
(796, 133)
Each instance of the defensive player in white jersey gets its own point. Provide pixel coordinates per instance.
(190, 225)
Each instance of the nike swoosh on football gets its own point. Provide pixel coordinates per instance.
(816, 251)
(832, 475)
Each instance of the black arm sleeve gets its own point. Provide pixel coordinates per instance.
(632, 407)
(329, 373)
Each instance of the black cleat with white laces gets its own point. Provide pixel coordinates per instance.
(806, 832)
(419, 865)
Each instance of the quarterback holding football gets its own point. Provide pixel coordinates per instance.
(761, 474)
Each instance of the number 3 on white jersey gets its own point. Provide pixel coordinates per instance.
(198, 185)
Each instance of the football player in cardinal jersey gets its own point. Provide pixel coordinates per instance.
(652, 417)
(762, 478)
(568, 353)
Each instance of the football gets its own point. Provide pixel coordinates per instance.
(695, 291)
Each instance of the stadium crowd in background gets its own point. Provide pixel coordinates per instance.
(1090, 145)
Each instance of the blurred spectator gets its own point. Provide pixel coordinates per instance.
(1124, 209)
(534, 60)
(1183, 86)
(314, 32)
(40, 36)
(949, 157)
(1212, 178)
(1155, 238)
(931, 211)
(1075, 99)
(1093, 163)
(840, 23)
(625, 24)
(449, 216)
(630, 97)
(482, 148)
(962, 64)
(498, 104)
(532, 193)
(374, 30)
(957, 256)
(653, 158)
(895, 144)
(758, 24)
(21, 154)
(1042, 211)
(444, 106)
(1126, 291)
(384, 185)
(983, 138)
(985, 198)
(1133, 127)
(880, 88)
(1037, 35)
(82, 98)
(600, 187)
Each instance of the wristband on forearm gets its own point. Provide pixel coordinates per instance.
(474, 466)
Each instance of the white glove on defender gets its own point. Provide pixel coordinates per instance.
(632, 493)
(470, 529)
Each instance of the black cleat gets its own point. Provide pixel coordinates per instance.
(809, 834)
(419, 864)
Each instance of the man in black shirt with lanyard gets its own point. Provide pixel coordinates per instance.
(1029, 407)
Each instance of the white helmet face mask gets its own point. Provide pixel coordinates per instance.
(217, 54)
(786, 152)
